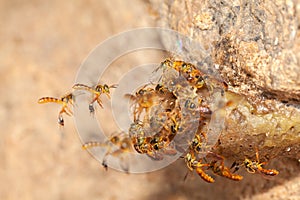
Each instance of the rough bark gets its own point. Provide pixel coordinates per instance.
(254, 46)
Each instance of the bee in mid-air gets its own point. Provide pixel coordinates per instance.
(64, 101)
(96, 91)
(121, 140)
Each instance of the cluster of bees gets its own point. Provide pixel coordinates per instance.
(169, 116)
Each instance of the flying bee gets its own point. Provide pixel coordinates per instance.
(121, 140)
(96, 91)
(64, 101)
(255, 166)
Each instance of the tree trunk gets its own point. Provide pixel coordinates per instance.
(254, 46)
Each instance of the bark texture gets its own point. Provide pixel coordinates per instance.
(254, 48)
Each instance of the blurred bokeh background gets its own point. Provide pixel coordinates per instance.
(42, 44)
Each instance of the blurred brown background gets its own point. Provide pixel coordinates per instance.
(42, 44)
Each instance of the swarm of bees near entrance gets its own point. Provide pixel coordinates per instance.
(169, 116)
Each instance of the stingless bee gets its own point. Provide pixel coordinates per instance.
(147, 97)
(194, 164)
(189, 71)
(155, 145)
(142, 100)
(222, 170)
(255, 166)
(96, 91)
(64, 101)
(121, 140)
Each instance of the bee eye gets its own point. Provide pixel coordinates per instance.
(106, 88)
(115, 139)
(198, 148)
(124, 145)
(158, 87)
(98, 88)
(141, 92)
(140, 141)
(173, 129)
(192, 106)
(187, 103)
(166, 63)
(154, 140)
(195, 142)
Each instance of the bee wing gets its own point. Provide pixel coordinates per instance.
(79, 86)
(114, 86)
(130, 97)
(67, 94)
(124, 163)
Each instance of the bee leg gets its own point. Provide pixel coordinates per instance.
(64, 109)
(155, 155)
(136, 113)
(119, 153)
(257, 155)
(95, 97)
(68, 111)
(236, 166)
(99, 102)
(108, 95)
